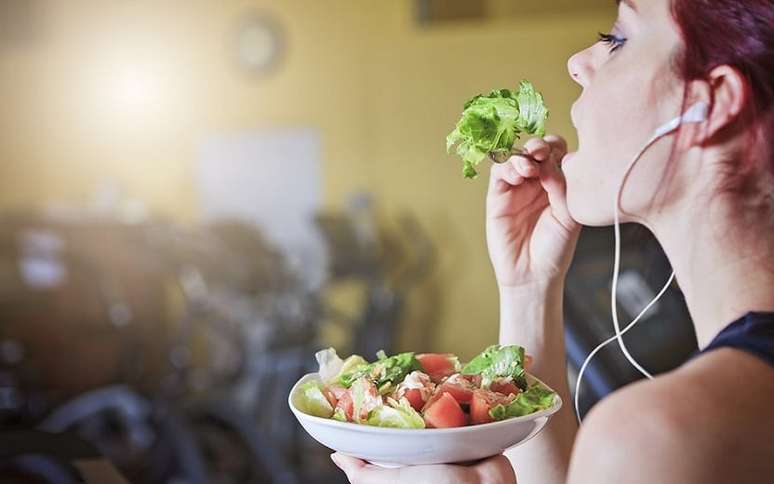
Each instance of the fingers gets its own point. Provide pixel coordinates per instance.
(538, 148)
(558, 144)
(540, 152)
(360, 472)
(496, 469)
(503, 177)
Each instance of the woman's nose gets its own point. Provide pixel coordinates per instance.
(579, 67)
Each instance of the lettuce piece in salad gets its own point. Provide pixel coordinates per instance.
(330, 364)
(392, 369)
(491, 124)
(398, 415)
(351, 364)
(338, 414)
(499, 362)
(365, 399)
(313, 401)
(536, 398)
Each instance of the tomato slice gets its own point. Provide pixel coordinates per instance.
(337, 390)
(345, 403)
(506, 388)
(414, 396)
(482, 402)
(459, 387)
(438, 365)
(330, 396)
(444, 412)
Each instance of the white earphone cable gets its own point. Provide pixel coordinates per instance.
(614, 288)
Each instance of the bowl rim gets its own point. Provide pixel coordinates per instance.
(369, 429)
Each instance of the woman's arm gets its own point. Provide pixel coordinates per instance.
(531, 238)
(531, 316)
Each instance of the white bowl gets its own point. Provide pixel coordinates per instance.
(389, 447)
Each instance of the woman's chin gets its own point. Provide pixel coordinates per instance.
(585, 211)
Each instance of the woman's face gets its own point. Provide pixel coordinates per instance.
(629, 90)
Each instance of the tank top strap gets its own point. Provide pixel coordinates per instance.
(752, 333)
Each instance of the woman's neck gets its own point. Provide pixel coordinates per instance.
(724, 267)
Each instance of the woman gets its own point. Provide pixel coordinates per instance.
(707, 193)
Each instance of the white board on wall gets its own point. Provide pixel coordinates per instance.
(270, 178)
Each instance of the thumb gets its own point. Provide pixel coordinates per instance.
(553, 182)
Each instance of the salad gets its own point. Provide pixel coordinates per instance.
(428, 390)
(490, 125)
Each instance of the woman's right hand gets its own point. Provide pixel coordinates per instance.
(530, 233)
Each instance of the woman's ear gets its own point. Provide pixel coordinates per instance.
(725, 91)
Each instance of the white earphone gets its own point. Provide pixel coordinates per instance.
(697, 113)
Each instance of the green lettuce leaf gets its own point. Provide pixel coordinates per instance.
(492, 123)
(392, 369)
(338, 414)
(498, 362)
(536, 398)
(396, 415)
(532, 111)
(313, 401)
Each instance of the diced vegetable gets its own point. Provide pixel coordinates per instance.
(365, 398)
(458, 387)
(482, 402)
(438, 365)
(414, 397)
(504, 386)
(330, 364)
(393, 369)
(532, 400)
(346, 405)
(397, 415)
(314, 402)
(338, 414)
(444, 412)
(352, 363)
(497, 362)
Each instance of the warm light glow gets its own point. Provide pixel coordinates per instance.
(134, 89)
(131, 91)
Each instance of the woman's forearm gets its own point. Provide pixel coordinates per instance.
(532, 316)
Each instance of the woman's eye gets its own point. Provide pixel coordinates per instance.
(615, 42)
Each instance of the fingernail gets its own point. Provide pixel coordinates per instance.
(335, 460)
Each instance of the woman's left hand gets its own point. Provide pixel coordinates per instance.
(495, 470)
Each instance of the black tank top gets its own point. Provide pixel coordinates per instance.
(753, 333)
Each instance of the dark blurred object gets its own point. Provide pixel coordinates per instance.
(32, 456)
(167, 313)
(389, 264)
(20, 22)
(431, 11)
(172, 349)
(661, 341)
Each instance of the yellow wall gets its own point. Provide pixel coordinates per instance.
(383, 93)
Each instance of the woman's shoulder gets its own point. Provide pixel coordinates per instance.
(705, 422)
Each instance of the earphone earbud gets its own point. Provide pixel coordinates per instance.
(697, 113)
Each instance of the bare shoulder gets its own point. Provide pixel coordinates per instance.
(710, 421)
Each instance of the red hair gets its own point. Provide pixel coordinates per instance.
(739, 34)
